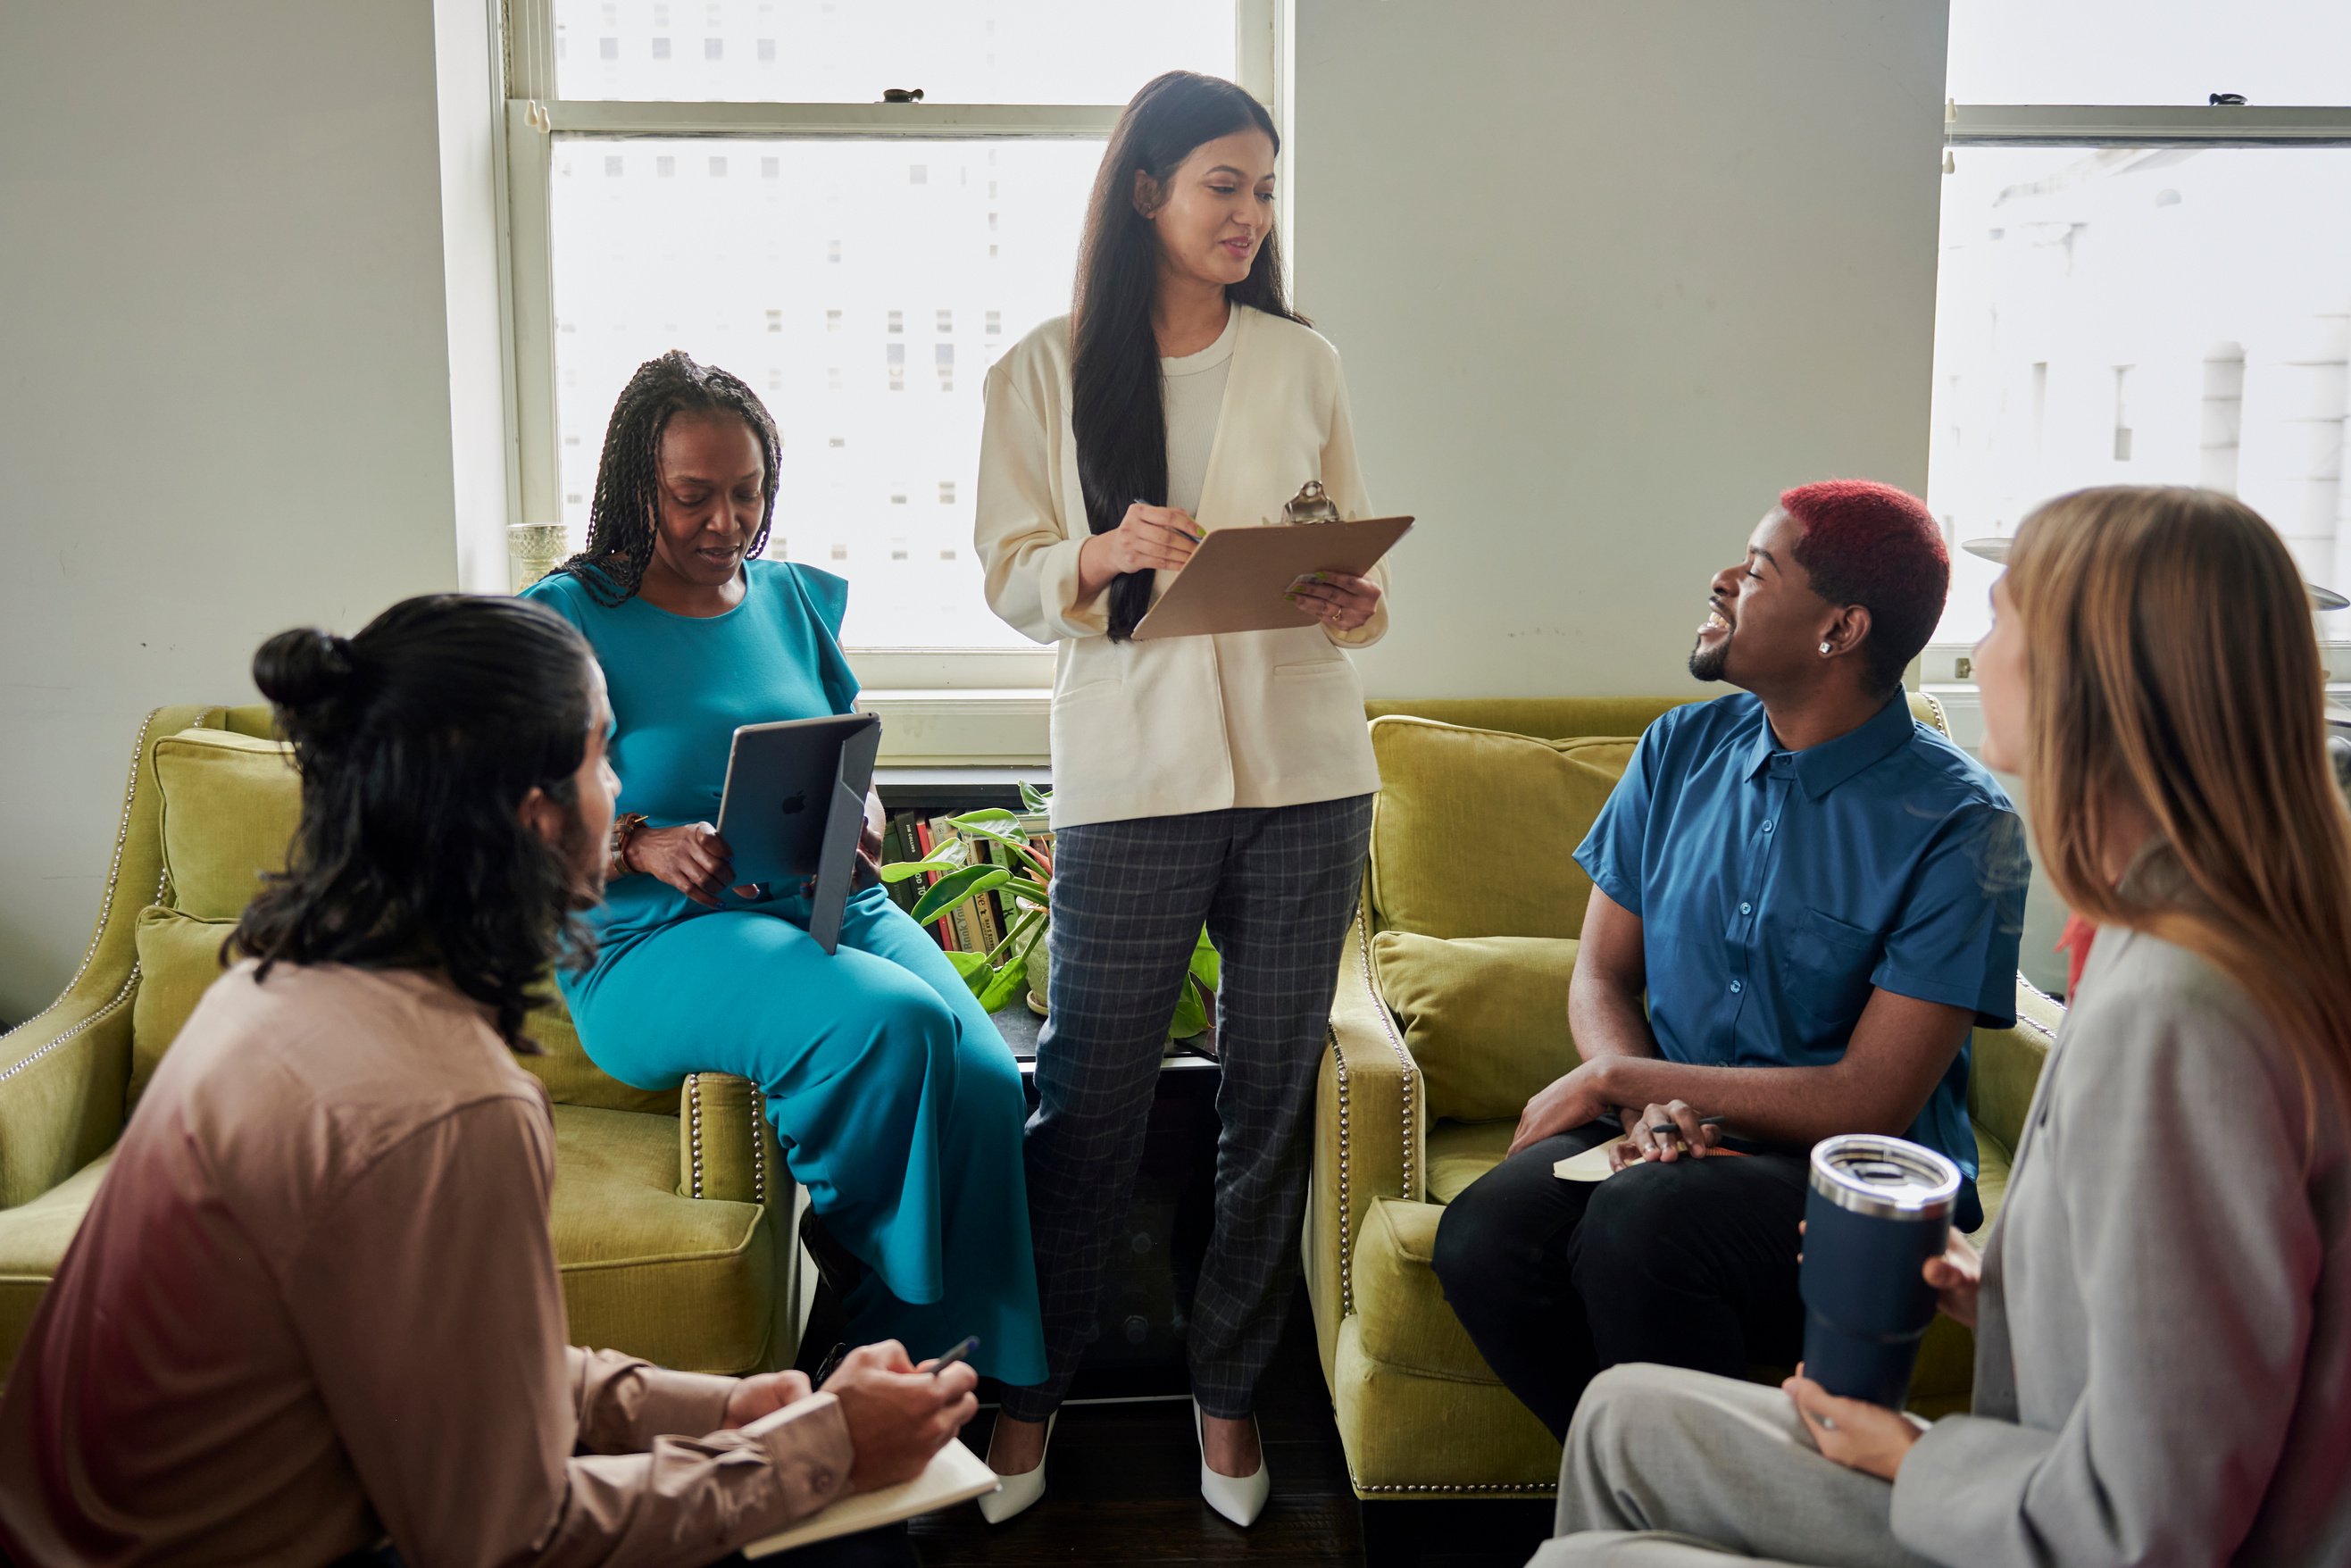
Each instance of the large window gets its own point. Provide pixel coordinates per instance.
(720, 176)
(2138, 285)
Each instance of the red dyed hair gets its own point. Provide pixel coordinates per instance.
(1871, 544)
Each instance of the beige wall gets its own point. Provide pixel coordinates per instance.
(1608, 275)
(228, 401)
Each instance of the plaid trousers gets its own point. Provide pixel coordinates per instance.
(1276, 888)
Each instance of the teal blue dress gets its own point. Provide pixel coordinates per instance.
(897, 1104)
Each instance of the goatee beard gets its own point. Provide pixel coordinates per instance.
(1706, 663)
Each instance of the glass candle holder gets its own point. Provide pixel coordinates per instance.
(534, 549)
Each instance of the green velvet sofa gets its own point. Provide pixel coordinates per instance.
(1451, 1011)
(671, 1211)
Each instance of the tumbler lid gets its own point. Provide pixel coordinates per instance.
(1891, 1178)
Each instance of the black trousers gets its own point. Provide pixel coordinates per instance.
(1687, 1264)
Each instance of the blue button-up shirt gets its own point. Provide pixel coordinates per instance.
(1777, 889)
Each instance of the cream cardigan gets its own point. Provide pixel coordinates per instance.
(1187, 724)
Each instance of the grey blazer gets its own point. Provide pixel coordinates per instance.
(2163, 1343)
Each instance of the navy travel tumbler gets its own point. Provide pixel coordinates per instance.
(1879, 1209)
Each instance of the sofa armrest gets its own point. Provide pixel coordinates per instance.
(64, 1071)
(63, 1075)
(725, 1148)
(2006, 1064)
(1370, 1138)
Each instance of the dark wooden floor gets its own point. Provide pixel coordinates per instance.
(1125, 1488)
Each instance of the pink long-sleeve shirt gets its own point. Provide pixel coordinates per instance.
(316, 1303)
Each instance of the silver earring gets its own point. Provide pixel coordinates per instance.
(1824, 648)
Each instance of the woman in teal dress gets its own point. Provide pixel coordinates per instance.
(897, 1104)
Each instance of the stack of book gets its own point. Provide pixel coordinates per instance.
(977, 925)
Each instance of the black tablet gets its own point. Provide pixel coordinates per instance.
(795, 804)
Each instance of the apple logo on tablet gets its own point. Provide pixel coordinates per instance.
(795, 803)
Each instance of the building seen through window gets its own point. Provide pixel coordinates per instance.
(2143, 316)
(827, 343)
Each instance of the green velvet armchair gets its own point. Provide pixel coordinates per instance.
(1451, 1010)
(671, 1211)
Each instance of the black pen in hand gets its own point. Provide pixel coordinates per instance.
(1675, 1128)
(958, 1354)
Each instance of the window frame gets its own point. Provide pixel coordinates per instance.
(1947, 667)
(1008, 679)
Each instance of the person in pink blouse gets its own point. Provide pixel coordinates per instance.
(313, 1315)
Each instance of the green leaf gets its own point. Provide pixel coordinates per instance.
(972, 966)
(899, 870)
(955, 888)
(1019, 845)
(1207, 968)
(991, 814)
(1036, 800)
(1005, 985)
(1191, 1018)
(1034, 892)
(1199, 983)
(1021, 938)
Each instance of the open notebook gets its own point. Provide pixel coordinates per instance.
(1591, 1165)
(955, 1475)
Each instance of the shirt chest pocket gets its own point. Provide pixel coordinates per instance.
(1825, 969)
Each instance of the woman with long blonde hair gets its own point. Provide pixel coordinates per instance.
(2163, 1311)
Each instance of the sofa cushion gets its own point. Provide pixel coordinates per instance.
(1484, 1017)
(1475, 830)
(1461, 1152)
(179, 958)
(1407, 1323)
(1412, 1434)
(683, 1281)
(33, 1242)
(572, 1077)
(230, 806)
(1419, 1435)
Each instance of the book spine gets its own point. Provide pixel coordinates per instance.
(984, 851)
(965, 925)
(942, 929)
(897, 846)
(909, 892)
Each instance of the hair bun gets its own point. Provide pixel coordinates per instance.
(311, 677)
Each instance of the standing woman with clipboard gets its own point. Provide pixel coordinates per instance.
(1221, 780)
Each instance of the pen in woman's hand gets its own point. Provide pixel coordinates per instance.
(958, 1354)
(1194, 537)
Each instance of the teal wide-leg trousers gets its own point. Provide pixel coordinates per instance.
(896, 1101)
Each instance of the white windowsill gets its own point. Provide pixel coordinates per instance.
(962, 727)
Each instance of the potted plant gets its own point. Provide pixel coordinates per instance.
(1022, 878)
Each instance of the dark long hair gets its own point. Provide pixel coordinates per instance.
(1117, 412)
(417, 741)
(626, 512)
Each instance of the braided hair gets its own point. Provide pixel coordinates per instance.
(626, 512)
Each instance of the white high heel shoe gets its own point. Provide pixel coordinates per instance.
(1018, 1494)
(1238, 1498)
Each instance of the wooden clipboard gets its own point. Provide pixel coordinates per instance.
(1236, 580)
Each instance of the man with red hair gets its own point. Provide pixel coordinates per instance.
(1803, 901)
